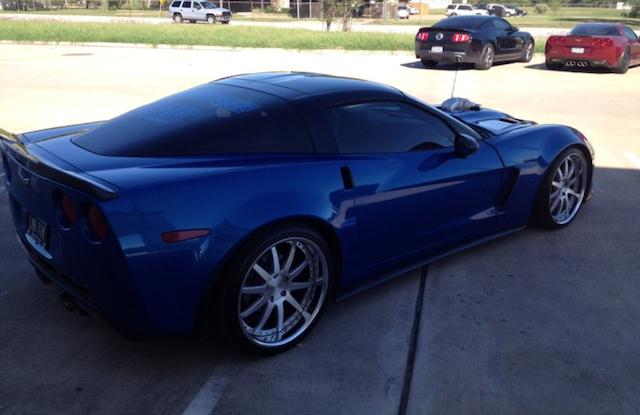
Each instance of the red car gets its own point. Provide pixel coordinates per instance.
(608, 45)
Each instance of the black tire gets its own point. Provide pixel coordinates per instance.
(553, 66)
(227, 299)
(542, 215)
(192, 21)
(428, 63)
(625, 62)
(225, 22)
(527, 52)
(177, 17)
(486, 58)
(211, 19)
(453, 14)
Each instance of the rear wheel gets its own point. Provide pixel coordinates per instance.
(177, 18)
(527, 52)
(428, 63)
(275, 292)
(563, 190)
(486, 58)
(625, 62)
(211, 19)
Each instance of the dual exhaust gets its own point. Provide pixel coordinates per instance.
(580, 64)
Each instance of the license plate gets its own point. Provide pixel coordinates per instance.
(38, 230)
(436, 49)
(577, 50)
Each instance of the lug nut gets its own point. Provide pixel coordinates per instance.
(283, 293)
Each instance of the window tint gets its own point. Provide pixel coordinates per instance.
(630, 34)
(501, 24)
(460, 22)
(186, 4)
(175, 4)
(451, 7)
(209, 119)
(465, 8)
(387, 127)
(594, 29)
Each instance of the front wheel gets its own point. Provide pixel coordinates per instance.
(486, 58)
(211, 19)
(563, 190)
(276, 290)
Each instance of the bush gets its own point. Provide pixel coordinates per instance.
(541, 8)
(635, 11)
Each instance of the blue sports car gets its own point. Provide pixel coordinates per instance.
(247, 204)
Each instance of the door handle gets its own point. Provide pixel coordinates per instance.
(347, 178)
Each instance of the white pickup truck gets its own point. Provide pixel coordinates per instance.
(464, 10)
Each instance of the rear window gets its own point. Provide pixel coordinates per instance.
(209, 119)
(451, 7)
(175, 4)
(594, 30)
(186, 4)
(460, 22)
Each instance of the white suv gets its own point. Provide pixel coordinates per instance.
(464, 10)
(192, 11)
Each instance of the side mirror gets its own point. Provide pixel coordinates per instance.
(465, 145)
(514, 29)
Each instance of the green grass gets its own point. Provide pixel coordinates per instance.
(202, 34)
(210, 35)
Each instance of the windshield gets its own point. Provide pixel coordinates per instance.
(594, 30)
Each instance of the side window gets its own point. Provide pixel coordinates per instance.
(465, 8)
(451, 7)
(197, 5)
(387, 127)
(501, 24)
(175, 4)
(630, 34)
(186, 4)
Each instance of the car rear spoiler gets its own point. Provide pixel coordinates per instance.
(19, 152)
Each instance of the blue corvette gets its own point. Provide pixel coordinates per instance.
(248, 203)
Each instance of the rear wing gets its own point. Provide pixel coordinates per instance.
(13, 146)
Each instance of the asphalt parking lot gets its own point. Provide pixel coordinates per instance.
(537, 322)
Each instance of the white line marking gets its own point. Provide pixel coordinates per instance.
(206, 400)
(633, 159)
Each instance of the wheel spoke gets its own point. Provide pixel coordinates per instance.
(276, 261)
(254, 307)
(261, 272)
(254, 289)
(265, 317)
(556, 184)
(573, 193)
(300, 285)
(294, 274)
(292, 254)
(295, 304)
(554, 204)
(280, 326)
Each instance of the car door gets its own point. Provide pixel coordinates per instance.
(187, 10)
(199, 11)
(413, 192)
(508, 45)
(634, 44)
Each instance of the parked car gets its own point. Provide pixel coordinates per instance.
(481, 40)
(518, 11)
(501, 10)
(403, 11)
(464, 10)
(246, 204)
(413, 10)
(606, 45)
(193, 11)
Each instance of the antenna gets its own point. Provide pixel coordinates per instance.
(455, 78)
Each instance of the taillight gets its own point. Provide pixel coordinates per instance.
(555, 40)
(460, 38)
(602, 43)
(422, 36)
(177, 236)
(69, 211)
(97, 222)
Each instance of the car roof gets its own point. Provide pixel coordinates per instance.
(296, 85)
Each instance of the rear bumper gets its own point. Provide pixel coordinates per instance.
(608, 57)
(447, 56)
(577, 63)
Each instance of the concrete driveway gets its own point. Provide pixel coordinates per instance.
(538, 322)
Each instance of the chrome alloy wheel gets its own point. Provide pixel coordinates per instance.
(568, 188)
(283, 291)
(488, 57)
(528, 53)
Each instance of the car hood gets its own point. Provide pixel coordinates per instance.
(491, 121)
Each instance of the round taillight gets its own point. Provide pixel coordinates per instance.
(69, 211)
(97, 222)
